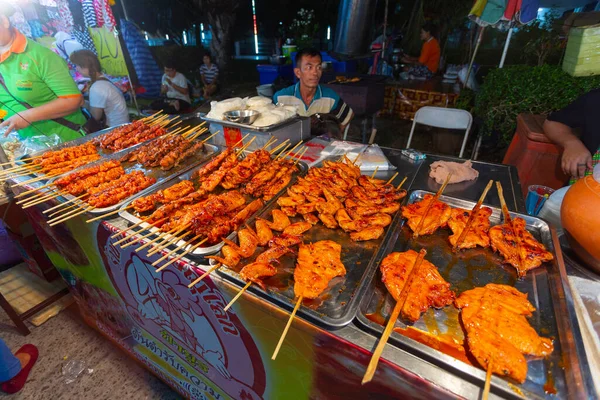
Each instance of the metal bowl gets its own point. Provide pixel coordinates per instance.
(242, 116)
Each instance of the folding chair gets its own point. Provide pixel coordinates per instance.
(447, 118)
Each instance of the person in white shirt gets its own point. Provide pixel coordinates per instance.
(175, 88)
(107, 103)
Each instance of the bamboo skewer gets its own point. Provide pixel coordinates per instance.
(204, 275)
(431, 203)
(41, 178)
(237, 296)
(74, 200)
(210, 137)
(287, 327)
(402, 183)
(242, 149)
(43, 199)
(152, 116)
(195, 135)
(279, 147)
(160, 236)
(107, 214)
(508, 220)
(488, 381)
(151, 232)
(375, 172)
(173, 238)
(392, 179)
(293, 148)
(169, 254)
(282, 151)
(66, 218)
(300, 155)
(36, 196)
(474, 212)
(141, 221)
(272, 140)
(392, 321)
(240, 141)
(33, 190)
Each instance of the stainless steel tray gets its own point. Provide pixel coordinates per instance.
(207, 151)
(250, 127)
(200, 251)
(338, 305)
(76, 142)
(547, 290)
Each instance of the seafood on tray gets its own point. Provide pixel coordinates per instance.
(428, 288)
(498, 333)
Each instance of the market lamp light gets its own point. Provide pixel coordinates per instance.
(184, 38)
(202, 31)
(329, 33)
(255, 28)
(167, 36)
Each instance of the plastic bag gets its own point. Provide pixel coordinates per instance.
(340, 147)
(73, 369)
(373, 158)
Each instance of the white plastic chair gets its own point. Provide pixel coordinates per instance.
(447, 118)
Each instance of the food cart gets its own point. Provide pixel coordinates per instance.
(183, 335)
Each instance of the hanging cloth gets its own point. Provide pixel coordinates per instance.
(146, 69)
(77, 12)
(477, 9)
(528, 11)
(98, 10)
(65, 15)
(89, 15)
(82, 35)
(18, 21)
(109, 18)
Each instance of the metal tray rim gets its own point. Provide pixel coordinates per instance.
(264, 129)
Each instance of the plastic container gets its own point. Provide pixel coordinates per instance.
(267, 73)
(551, 209)
(265, 90)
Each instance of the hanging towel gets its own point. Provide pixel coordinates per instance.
(89, 15)
(77, 12)
(109, 18)
(65, 15)
(146, 69)
(529, 11)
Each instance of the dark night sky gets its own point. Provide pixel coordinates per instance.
(151, 15)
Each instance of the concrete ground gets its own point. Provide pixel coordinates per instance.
(66, 337)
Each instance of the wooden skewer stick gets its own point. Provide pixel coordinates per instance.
(431, 203)
(176, 123)
(242, 149)
(188, 131)
(375, 172)
(272, 140)
(282, 151)
(240, 141)
(172, 239)
(36, 196)
(107, 214)
(197, 134)
(76, 204)
(293, 148)
(41, 178)
(73, 200)
(237, 296)
(62, 213)
(392, 179)
(43, 199)
(287, 328)
(149, 117)
(121, 231)
(474, 212)
(276, 149)
(170, 253)
(392, 321)
(488, 380)
(184, 253)
(402, 183)
(160, 236)
(300, 156)
(210, 137)
(204, 275)
(150, 232)
(56, 222)
(508, 220)
(33, 190)
(19, 168)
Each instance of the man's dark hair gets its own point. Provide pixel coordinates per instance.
(307, 53)
(430, 27)
(170, 64)
(208, 55)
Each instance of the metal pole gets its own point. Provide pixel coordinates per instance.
(474, 54)
(124, 10)
(384, 29)
(510, 31)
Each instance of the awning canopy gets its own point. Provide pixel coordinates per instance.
(564, 3)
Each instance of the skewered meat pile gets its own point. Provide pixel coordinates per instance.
(436, 218)
(106, 184)
(164, 152)
(192, 206)
(339, 196)
(478, 229)
(522, 252)
(57, 162)
(128, 135)
(428, 288)
(494, 318)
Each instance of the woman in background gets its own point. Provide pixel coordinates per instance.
(106, 100)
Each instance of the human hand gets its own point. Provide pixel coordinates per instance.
(14, 123)
(576, 159)
(169, 82)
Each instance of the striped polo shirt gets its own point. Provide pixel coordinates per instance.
(210, 74)
(326, 101)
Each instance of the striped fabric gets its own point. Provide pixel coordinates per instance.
(89, 14)
(209, 74)
(595, 161)
(82, 35)
(146, 69)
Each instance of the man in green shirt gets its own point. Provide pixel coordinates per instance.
(36, 90)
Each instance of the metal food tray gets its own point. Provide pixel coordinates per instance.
(207, 151)
(337, 306)
(269, 128)
(76, 142)
(547, 288)
(199, 251)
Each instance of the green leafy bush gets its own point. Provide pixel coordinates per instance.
(517, 89)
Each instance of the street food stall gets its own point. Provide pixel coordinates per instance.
(182, 293)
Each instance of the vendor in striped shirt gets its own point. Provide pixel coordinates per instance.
(308, 96)
(209, 73)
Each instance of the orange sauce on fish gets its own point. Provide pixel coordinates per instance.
(444, 343)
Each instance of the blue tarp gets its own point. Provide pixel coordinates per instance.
(148, 73)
